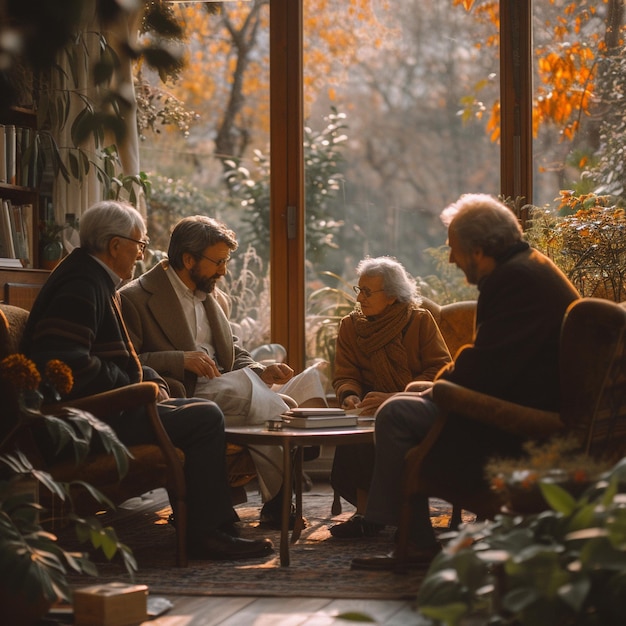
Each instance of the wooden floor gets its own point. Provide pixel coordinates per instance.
(247, 611)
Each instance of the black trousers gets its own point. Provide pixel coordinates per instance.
(196, 426)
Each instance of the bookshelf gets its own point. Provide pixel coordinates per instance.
(20, 276)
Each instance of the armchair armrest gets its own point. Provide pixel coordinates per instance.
(513, 418)
(102, 404)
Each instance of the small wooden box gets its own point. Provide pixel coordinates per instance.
(113, 604)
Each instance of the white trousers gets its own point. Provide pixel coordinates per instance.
(246, 400)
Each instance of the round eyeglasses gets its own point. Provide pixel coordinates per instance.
(366, 291)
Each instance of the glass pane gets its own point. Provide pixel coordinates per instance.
(400, 100)
(578, 98)
(212, 157)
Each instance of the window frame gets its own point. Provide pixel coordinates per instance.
(287, 210)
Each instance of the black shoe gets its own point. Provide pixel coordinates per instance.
(230, 528)
(218, 546)
(271, 516)
(355, 528)
(415, 558)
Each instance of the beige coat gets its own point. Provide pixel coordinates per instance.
(157, 327)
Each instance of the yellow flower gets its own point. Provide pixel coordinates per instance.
(60, 376)
(20, 372)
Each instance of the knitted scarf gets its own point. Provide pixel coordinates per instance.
(380, 339)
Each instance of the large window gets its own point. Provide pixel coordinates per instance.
(578, 97)
(397, 100)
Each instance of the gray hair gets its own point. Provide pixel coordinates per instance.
(194, 234)
(481, 221)
(107, 219)
(396, 281)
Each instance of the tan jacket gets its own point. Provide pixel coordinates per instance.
(157, 327)
(426, 351)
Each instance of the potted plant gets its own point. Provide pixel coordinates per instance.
(558, 460)
(565, 566)
(29, 550)
(50, 244)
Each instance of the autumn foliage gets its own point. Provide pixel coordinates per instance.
(566, 69)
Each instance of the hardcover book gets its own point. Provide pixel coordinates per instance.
(328, 420)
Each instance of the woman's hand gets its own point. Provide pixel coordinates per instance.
(350, 402)
(419, 385)
(372, 401)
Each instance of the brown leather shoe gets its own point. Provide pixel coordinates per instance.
(389, 562)
(219, 546)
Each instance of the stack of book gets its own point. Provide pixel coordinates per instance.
(19, 156)
(16, 234)
(318, 418)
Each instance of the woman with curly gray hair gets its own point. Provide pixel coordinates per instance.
(387, 342)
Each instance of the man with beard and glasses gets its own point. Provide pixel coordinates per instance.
(178, 320)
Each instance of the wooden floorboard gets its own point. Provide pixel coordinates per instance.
(251, 611)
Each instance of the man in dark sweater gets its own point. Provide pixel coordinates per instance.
(76, 318)
(522, 299)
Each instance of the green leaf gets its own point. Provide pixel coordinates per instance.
(558, 498)
(441, 588)
(449, 614)
(574, 593)
(353, 616)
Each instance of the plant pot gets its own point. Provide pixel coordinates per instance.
(51, 254)
(523, 494)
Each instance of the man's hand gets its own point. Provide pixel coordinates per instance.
(201, 363)
(276, 374)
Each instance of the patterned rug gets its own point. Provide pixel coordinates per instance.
(320, 564)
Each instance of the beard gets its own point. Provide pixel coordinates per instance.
(203, 283)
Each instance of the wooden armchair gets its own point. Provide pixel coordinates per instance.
(593, 408)
(151, 466)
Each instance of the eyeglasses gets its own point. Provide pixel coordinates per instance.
(143, 244)
(366, 291)
(219, 263)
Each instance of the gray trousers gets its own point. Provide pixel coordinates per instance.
(401, 423)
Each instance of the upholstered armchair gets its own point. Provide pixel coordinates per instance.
(593, 409)
(150, 466)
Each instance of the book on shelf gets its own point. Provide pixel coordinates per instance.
(3, 155)
(7, 263)
(27, 217)
(7, 249)
(11, 153)
(20, 236)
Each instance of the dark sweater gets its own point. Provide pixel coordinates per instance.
(74, 319)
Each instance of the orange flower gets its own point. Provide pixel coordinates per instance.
(20, 372)
(60, 376)
(498, 483)
(529, 480)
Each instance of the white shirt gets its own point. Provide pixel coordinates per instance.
(192, 303)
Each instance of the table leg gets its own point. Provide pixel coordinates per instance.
(284, 526)
(297, 478)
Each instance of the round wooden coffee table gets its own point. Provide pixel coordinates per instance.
(293, 440)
